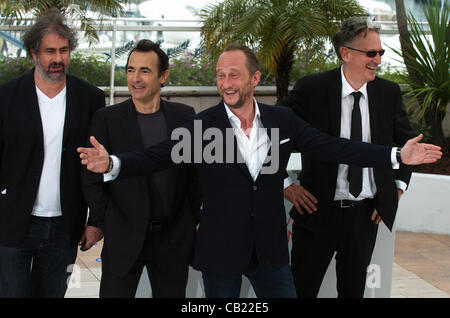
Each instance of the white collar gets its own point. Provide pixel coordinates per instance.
(347, 89)
(231, 115)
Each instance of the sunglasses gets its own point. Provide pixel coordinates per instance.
(371, 53)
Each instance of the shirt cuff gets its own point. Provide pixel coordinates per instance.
(287, 182)
(112, 175)
(401, 185)
(395, 163)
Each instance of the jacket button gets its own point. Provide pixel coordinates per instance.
(255, 188)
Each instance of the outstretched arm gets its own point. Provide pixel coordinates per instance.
(133, 163)
(339, 150)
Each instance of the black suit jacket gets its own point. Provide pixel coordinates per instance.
(22, 154)
(122, 207)
(240, 214)
(317, 100)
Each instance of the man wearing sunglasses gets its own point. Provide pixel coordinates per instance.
(337, 208)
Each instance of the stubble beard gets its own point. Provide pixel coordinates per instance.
(47, 75)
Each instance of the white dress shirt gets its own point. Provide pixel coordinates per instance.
(254, 148)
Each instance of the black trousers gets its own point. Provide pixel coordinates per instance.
(168, 275)
(350, 233)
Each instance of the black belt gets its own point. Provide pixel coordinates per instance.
(157, 225)
(350, 203)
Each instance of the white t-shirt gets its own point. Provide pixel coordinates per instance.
(53, 112)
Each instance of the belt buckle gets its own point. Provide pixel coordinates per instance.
(344, 205)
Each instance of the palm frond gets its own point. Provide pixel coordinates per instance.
(72, 9)
(273, 28)
(430, 57)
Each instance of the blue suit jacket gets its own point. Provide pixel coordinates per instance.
(240, 214)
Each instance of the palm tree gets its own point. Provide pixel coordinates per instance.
(427, 63)
(405, 39)
(273, 28)
(73, 9)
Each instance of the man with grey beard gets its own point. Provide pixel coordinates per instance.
(44, 116)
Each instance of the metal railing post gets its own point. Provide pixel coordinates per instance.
(113, 64)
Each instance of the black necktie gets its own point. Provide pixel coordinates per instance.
(355, 172)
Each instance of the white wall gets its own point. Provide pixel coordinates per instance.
(425, 206)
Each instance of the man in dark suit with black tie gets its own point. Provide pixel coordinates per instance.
(241, 148)
(44, 115)
(338, 207)
(147, 221)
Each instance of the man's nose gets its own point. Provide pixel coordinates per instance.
(226, 82)
(58, 56)
(378, 59)
(136, 77)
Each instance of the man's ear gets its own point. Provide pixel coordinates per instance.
(33, 56)
(345, 54)
(256, 78)
(164, 76)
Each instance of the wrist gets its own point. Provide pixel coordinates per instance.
(110, 165)
(398, 155)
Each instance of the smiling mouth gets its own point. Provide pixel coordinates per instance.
(372, 68)
(230, 93)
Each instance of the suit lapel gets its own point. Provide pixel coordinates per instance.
(267, 119)
(130, 126)
(335, 108)
(72, 115)
(220, 120)
(374, 106)
(269, 122)
(31, 105)
(170, 116)
(334, 102)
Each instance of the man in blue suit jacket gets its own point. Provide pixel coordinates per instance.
(243, 225)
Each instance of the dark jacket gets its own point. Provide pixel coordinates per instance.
(22, 154)
(122, 208)
(317, 100)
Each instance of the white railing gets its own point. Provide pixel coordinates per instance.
(116, 25)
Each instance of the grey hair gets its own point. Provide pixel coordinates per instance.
(350, 29)
(50, 22)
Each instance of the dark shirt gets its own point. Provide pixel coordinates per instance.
(153, 130)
